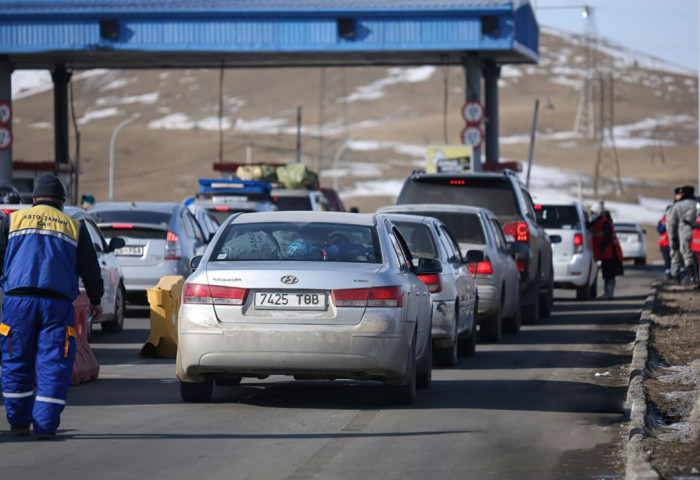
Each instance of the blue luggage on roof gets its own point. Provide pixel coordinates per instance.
(233, 186)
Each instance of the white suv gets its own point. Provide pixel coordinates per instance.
(572, 248)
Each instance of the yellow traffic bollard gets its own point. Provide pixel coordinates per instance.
(164, 300)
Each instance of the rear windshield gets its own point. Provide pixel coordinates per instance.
(222, 215)
(133, 216)
(495, 194)
(464, 227)
(291, 241)
(418, 238)
(141, 233)
(293, 203)
(558, 216)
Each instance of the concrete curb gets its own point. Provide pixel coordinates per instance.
(638, 465)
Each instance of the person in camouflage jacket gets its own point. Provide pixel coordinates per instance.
(680, 224)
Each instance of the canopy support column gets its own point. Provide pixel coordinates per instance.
(491, 74)
(474, 72)
(6, 97)
(60, 115)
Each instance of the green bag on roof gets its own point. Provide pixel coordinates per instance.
(296, 175)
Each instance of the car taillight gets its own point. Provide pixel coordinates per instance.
(432, 281)
(122, 226)
(521, 265)
(222, 208)
(172, 247)
(213, 295)
(368, 297)
(517, 230)
(481, 268)
(578, 243)
(7, 211)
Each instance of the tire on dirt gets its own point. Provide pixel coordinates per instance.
(196, 392)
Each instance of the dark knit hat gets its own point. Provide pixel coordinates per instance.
(49, 186)
(678, 190)
(688, 190)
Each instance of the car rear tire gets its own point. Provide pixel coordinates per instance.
(512, 323)
(640, 261)
(547, 298)
(492, 326)
(425, 370)
(583, 293)
(196, 392)
(530, 311)
(405, 392)
(117, 325)
(594, 288)
(447, 357)
(228, 381)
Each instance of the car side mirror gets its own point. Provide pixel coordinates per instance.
(475, 256)
(555, 238)
(519, 250)
(428, 266)
(194, 263)
(116, 243)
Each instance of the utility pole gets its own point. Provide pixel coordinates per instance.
(607, 159)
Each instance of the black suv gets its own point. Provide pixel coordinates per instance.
(507, 198)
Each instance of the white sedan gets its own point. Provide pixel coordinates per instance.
(278, 294)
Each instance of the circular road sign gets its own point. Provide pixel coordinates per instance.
(5, 112)
(5, 138)
(473, 112)
(473, 135)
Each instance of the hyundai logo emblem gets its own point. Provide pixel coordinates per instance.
(289, 280)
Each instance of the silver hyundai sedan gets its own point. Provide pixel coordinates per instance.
(321, 296)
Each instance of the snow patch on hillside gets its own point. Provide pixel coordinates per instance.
(26, 83)
(91, 115)
(396, 75)
(147, 98)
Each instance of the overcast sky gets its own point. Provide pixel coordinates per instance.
(667, 29)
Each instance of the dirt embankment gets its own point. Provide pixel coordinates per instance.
(673, 389)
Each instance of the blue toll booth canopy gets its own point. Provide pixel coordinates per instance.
(263, 33)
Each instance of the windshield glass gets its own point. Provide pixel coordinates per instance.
(558, 216)
(293, 203)
(323, 242)
(495, 194)
(464, 227)
(133, 216)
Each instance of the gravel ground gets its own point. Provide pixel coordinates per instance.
(673, 386)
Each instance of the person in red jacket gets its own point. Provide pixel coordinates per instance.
(663, 242)
(606, 249)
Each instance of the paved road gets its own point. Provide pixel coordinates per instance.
(530, 407)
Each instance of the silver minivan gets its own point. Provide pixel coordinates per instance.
(572, 248)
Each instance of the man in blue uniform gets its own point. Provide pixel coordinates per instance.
(43, 252)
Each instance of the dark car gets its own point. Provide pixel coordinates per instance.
(507, 198)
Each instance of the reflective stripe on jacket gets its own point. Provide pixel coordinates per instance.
(41, 253)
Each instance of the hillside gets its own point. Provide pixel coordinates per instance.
(391, 115)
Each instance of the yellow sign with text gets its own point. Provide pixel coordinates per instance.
(448, 158)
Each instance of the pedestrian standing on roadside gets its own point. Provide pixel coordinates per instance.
(663, 242)
(606, 249)
(681, 224)
(43, 251)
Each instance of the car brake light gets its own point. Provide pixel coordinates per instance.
(517, 230)
(213, 295)
(368, 297)
(123, 226)
(538, 207)
(458, 182)
(521, 265)
(481, 268)
(432, 281)
(172, 247)
(578, 243)
(222, 208)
